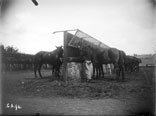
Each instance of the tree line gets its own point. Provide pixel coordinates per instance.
(13, 60)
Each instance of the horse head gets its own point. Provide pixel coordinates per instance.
(59, 51)
(139, 60)
(82, 51)
(85, 52)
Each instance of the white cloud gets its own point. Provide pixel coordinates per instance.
(124, 24)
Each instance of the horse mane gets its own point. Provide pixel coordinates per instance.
(54, 51)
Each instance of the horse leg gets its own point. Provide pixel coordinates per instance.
(110, 69)
(96, 69)
(120, 69)
(117, 70)
(58, 72)
(35, 66)
(99, 69)
(98, 72)
(53, 70)
(93, 72)
(123, 72)
(137, 67)
(101, 66)
(39, 70)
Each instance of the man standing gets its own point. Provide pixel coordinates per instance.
(87, 67)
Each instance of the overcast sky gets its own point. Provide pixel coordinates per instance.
(128, 25)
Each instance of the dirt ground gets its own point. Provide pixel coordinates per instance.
(48, 96)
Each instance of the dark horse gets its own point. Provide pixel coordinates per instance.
(53, 58)
(107, 56)
(132, 63)
(115, 57)
(97, 65)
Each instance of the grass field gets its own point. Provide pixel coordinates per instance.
(138, 87)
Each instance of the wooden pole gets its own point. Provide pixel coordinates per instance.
(65, 52)
(65, 57)
(64, 31)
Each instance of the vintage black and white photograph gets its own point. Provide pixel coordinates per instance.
(77, 57)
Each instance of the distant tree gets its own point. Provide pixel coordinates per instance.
(2, 49)
(11, 49)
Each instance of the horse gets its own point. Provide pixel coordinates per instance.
(53, 58)
(112, 56)
(121, 63)
(97, 66)
(138, 61)
(89, 53)
(132, 63)
(56, 67)
(100, 56)
(109, 56)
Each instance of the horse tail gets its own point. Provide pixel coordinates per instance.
(35, 65)
(122, 57)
